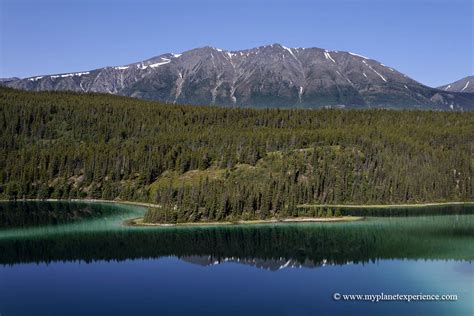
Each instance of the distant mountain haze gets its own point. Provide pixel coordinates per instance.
(267, 76)
(9, 79)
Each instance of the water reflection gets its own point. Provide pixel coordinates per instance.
(37, 213)
(267, 264)
(267, 246)
(96, 265)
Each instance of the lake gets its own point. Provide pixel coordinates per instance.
(76, 258)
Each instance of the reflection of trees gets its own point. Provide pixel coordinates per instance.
(21, 214)
(443, 237)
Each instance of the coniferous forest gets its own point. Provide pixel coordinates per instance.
(216, 164)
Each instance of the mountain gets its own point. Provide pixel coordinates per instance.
(267, 76)
(9, 79)
(464, 85)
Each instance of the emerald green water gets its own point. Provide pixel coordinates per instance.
(100, 217)
(63, 265)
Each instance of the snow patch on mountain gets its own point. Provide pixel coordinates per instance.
(371, 68)
(289, 50)
(328, 56)
(357, 55)
(35, 78)
(164, 62)
(70, 75)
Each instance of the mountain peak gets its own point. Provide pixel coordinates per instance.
(273, 75)
(465, 85)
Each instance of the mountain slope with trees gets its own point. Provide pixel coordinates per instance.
(208, 163)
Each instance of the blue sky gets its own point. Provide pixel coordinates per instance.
(429, 40)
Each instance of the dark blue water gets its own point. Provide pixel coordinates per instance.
(169, 286)
(101, 268)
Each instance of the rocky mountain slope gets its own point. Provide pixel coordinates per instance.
(267, 76)
(464, 85)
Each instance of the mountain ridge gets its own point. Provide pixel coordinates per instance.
(465, 84)
(266, 76)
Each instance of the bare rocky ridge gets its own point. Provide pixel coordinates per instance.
(465, 85)
(9, 79)
(267, 76)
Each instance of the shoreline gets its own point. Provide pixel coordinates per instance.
(138, 222)
(412, 205)
(142, 204)
(147, 204)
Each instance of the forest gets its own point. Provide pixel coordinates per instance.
(222, 164)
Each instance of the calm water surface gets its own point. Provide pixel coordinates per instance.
(61, 258)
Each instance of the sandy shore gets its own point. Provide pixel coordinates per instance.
(139, 221)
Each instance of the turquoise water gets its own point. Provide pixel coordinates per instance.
(96, 266)
(103, 217)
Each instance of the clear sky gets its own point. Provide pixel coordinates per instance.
(429, 40)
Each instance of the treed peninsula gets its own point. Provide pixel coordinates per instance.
(210, 164)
